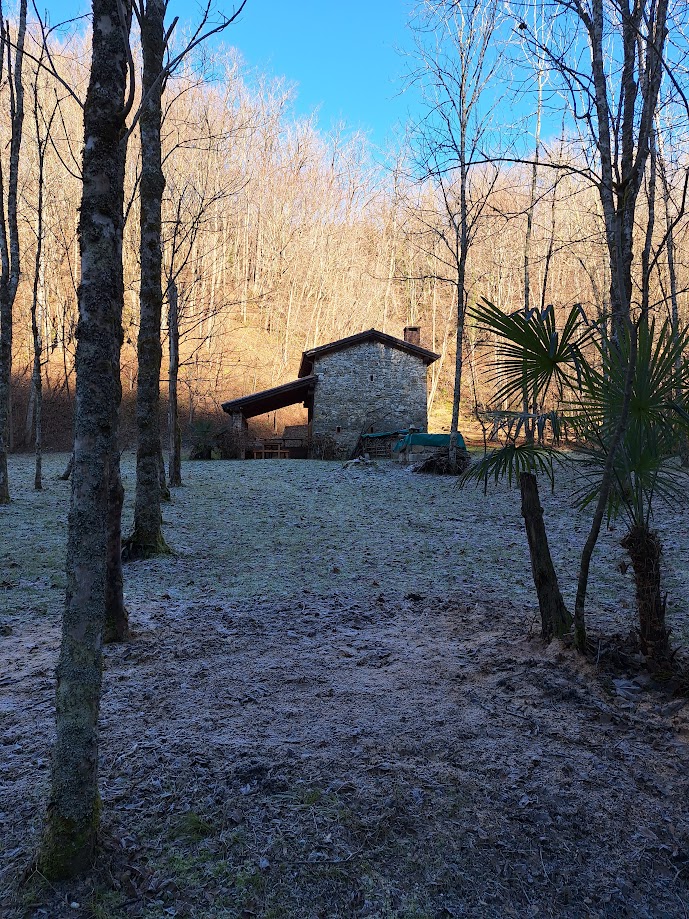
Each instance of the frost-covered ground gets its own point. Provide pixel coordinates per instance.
(334, 706)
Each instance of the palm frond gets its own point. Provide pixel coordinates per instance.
(534, 355)
(510, 461)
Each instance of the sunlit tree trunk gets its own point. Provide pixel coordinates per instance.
(73, 810)
(624, 154)
(38, 293)
(37, 372)
(462, 253)
(173, 404)
(529, 423)
(670, 249)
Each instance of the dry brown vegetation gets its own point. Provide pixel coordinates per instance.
(282, 237)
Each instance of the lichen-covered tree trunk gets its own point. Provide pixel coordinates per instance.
(555, 619)
(147, 539)
(73, 810)
(116, 627)
(162, 478)
(9, 233)
(173, 405)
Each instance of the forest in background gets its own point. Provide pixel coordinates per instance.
(279, 237)
(533, 225)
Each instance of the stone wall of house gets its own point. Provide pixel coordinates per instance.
(368, 387)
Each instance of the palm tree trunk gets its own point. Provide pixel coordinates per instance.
(555, 619)
(644, 548)
(603, 495)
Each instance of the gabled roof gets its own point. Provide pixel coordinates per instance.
(308, 357)
(269, 400)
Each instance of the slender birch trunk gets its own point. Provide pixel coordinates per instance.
(73, 810)
(9, 233)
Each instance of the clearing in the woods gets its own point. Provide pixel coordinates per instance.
(336, 705)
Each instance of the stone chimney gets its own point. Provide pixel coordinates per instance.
(412, 335)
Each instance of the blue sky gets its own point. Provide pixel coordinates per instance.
(341, 54)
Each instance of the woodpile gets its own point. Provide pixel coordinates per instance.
(438, 463)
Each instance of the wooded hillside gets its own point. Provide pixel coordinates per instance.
(280, 237)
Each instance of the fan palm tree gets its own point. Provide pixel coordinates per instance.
(619, 399)
(645, 469)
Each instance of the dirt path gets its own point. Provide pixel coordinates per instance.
(332, 708)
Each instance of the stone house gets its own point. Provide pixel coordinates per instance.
(367, 383)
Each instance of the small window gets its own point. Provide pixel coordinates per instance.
(338, 429)
(372, 378)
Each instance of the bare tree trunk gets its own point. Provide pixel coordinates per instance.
(9, 235)
(670, 248)
(38, 296)
(68, 469)
(29, 419)
(147, 539)
(173, 405)
(551, 246)
(555, 620)
(530, 424)
(116, 626)
(72, 816)
(463, 247)
(650, 224)
(38, 430)
(455, 46)
(621, 179)
(164, 490)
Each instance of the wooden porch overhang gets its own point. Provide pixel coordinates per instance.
(269, 400)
